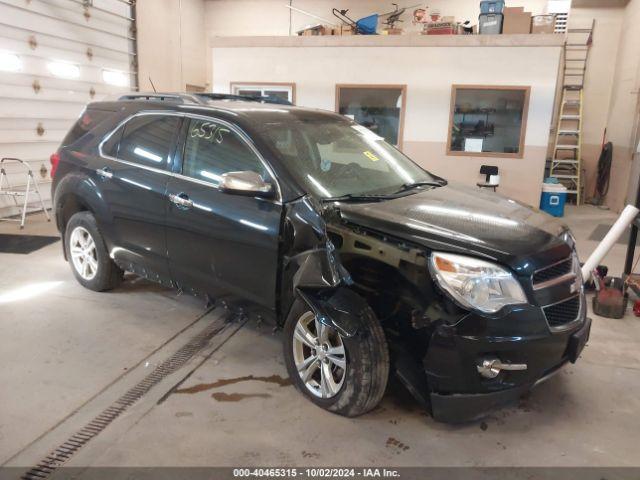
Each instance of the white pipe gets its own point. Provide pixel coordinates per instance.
(624, 220)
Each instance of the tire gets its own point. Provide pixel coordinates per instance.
(101, 273)
(366, 355)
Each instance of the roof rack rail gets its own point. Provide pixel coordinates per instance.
(244, 98)
(158, 97)
(202, 98)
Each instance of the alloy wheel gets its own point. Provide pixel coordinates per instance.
(84, 255)
(319, 355)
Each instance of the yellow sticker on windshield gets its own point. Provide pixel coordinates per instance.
(370, 156)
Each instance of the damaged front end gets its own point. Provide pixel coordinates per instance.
(459, 363)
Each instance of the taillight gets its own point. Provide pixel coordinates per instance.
(55, 160)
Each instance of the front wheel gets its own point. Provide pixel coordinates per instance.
(345, 375)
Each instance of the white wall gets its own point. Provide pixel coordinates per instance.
(271, 17)
(316, 71)
(171, 44)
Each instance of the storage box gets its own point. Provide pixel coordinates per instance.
(516, 20)
(491, 6)
(439, 28)
(490, 23)
(543, 24)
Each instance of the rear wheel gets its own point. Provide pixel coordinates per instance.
(345, 375)
(87, 254)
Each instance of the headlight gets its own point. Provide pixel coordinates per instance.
(474, 283)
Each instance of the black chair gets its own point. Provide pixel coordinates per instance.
(487, 171)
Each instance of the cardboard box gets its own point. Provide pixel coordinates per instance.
(543, 24)
(516, 20)
(316, 30)
(392, 31)
(439, 28)
(345, 30)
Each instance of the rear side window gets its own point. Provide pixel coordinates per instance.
(148, 140)
(110, 147)
(212, 149)
(89, 120)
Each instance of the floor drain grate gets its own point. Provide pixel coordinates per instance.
(75, 442)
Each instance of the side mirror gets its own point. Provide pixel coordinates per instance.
(246, 183)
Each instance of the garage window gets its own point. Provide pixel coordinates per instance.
(488, 121)
(212, 149)
(281, 91)
(380, 108)
(147, 140)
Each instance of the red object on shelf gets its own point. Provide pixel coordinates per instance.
(636, 308)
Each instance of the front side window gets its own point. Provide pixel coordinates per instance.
(333, 157)
(212, 148)
(148, 140)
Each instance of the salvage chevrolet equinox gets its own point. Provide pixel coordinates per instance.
(369, 263)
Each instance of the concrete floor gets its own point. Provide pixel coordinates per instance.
(68, 352)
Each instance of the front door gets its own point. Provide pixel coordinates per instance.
(221, 243)
(132, 177)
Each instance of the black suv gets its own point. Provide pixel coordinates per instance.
(367, 261)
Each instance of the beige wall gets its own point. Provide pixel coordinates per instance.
(598, 81)
(271, 17)
(171, 44)
(624, 106)
(316, 71)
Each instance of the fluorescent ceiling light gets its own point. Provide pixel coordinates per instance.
(115, 77)
(210, 175)
(10, 62)
(63, 69)
(141, 152)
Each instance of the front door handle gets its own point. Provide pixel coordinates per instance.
(105, 172)
(181, 200)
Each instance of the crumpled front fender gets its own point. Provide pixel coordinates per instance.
(337, 309)
(313, 269)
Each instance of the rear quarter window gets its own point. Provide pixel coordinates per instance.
(89, 119)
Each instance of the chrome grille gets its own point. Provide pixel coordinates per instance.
(554, 271)
(562, 313)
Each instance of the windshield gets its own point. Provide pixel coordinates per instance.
(333, 157)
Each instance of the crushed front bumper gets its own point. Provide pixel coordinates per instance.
(484, 396)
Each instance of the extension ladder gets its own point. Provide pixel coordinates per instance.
(31, 187)
(566, 162)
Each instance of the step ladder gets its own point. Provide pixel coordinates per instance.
(566, 162)
(31, 187)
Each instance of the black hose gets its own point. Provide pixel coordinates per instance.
(604, 174)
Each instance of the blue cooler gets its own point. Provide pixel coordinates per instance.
(492, 6)
(554, 196)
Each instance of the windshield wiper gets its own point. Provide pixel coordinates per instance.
(357, 198)
(431, 183)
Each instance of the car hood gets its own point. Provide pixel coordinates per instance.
(461, 219)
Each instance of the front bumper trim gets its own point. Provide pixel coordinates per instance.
(460, 408)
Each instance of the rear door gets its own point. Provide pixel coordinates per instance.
(224, 244)
(132, 174)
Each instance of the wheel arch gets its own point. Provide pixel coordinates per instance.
(75, 194)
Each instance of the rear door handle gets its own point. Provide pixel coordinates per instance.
(105, 172)
(181, 200)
